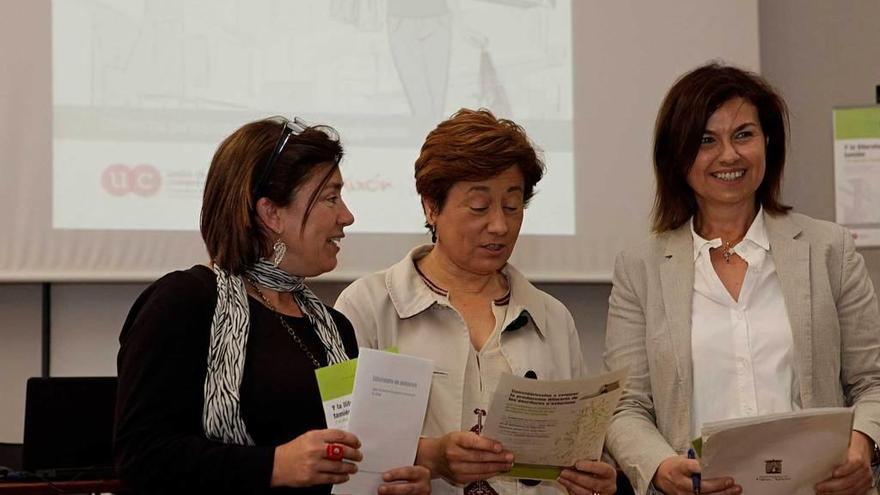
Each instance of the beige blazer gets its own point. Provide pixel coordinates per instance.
(834, 318)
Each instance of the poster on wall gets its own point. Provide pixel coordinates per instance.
(857, 172)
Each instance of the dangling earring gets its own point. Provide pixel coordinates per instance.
(279, 249)
(433, 233)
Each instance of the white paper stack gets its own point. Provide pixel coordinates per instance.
(778, 453)
(388, 407)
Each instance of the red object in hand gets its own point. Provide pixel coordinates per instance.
(334, 451)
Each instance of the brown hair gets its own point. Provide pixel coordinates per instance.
(233, 235)
(679, 129)
(474, 145)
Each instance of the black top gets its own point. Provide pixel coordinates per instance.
(160, 446)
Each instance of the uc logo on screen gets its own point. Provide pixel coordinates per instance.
(141, 180)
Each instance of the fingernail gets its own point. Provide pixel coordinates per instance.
(508, 457)
(497, 448)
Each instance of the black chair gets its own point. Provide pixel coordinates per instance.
(10, 456)
(68, 427)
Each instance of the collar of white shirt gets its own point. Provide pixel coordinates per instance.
(756, 238)
(411, 296)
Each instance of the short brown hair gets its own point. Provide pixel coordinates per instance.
(681, 122)
(474, 145)
(233, 235)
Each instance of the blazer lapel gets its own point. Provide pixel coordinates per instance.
(792, 259)
(677, 281)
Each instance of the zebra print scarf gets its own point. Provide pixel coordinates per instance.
(221, 414)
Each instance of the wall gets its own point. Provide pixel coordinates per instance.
(20, 312)
(820, 55)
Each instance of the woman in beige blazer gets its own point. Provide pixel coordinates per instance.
(736, 306)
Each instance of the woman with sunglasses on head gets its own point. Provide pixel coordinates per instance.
(217, 390)
(737, 306)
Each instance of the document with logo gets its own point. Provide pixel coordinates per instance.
(551, 424)
(385, 407)
(777, 453)
(335, 384)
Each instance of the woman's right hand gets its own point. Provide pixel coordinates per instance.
(673, 477)
(463, 456)
(406, 480)
(303, 461)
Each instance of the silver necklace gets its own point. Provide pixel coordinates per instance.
(285, 325)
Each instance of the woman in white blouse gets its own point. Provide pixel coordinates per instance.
(736, 306)
(460, 303)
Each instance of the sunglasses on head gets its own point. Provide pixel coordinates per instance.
(289, 128)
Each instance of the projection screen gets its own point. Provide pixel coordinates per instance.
(113, 108)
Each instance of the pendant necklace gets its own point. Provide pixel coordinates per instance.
(726, 247)
(727, 251)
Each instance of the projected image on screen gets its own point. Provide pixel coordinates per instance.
(145, 90)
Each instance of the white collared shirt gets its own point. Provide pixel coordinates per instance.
(484, 367)
(534, 333)
(742, 350)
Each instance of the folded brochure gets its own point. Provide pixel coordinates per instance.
(551, 424)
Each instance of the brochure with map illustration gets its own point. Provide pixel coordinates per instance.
(550, 424)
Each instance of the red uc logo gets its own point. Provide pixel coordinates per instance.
(143, 180)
